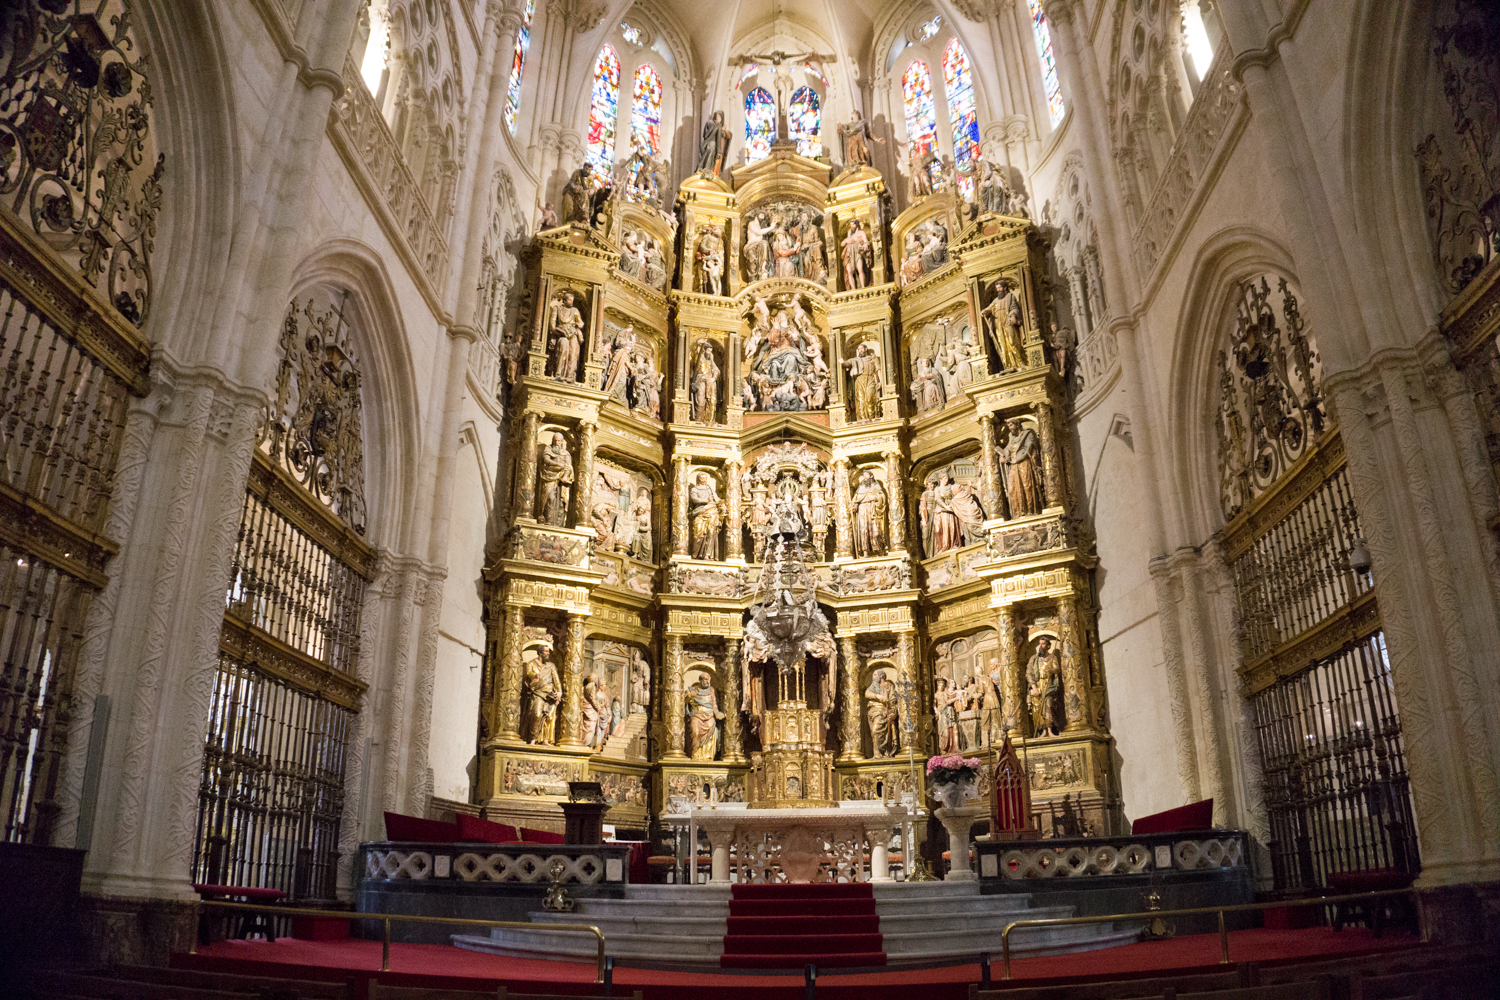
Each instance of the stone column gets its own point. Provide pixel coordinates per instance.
(1074, 667)
(734, 547)
(880, 858)
(526, 467)
(896, 494)
(733, 741)
(672, 704)
(990, 465)
(572, 679)
(583, 477)
(1051, 460)
(718, 842)
(841, 520)
(510, 673)
(852, 750)
(1014, 690)
(680, 508)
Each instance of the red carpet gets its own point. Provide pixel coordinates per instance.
(794, 924)
(439, 967)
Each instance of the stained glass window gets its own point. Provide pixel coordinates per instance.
(803, 121)
(645, 109)
(632, 33)
(603, 111)
(760, 123)
(517, 64)
(962, 115)
(921, 117)
(1043, 35)
(929, 29)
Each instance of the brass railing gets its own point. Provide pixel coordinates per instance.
(386, 918)
(1220, 910)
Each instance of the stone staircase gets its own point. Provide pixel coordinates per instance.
(921, 922)
(629, 740)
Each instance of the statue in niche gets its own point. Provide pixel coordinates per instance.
(714, 145)
(640, 682)
(920, 162)
(927, 389)
(856, 251)
(856, 137)
(705, 515)
(593, 724)
(633, 254)
(1062, 341)
(1007, 326)
(994, 195)
(934, 246)
(542, 690)
(646, 383)
(655, 267)
(945, 706)
(704, 396)
(810, 261)
(617, 364)
(950, 514)
(566, 337)
(911, 260)
(758, 235)
(640, 518)
(991, 706)
(576, 194)
(1044, 689)
(1023, 480)
(880, 711)
(785, 251)
(555, 469)
(604, 516)
(870, 508)
(711, 263)
(784, 355)
(819, 502)
(864, 369)
(702, 718)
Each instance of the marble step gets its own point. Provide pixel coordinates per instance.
(932, 944)
(686, 949)
(973, 922)
(614, 924)
(940, 908)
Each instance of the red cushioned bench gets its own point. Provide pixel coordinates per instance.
(250, 921)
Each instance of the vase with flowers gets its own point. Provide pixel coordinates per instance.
(953, 778)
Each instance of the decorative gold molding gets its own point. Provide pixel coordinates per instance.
(1321, 461)
(36, 530)
(268, 655)
(1357, 620)
(287, 497)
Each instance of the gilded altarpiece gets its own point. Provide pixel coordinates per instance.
(670, 444)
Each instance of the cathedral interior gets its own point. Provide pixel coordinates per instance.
(417, 406)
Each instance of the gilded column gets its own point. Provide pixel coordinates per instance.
(673, 701)
(526, 467)
(906, 663)
(1014, 691)
(510, 673)
(734, 548)
(572, 699)
(1050, 459)
(991, 465)
(1075, 667)
(841, 519)
(583, 480)
(680, 509)
(851, 734)
(897, 496)
(733, 742)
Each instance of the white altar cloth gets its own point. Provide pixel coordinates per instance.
(846, 842)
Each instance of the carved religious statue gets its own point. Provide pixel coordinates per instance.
(784, 358)
(705, 515)
(945, 707)
(1062, 341)
(701, 719)
(711, 263)
(991, 706)
(856, 254)
(880, 710)
(640, 682)
(994, 196)
(810, 262)
(870, 507)
(1023, 477)
(714, 146)
(543, 691)
(864, 369)
(555, 470)
(758, 233)
(639, 514)
(1006, 326)
(856, 136)
(566, 337)
(577, 195)
(921, 160)
(1044, 689)
(593, 726)
(646, 383)
(927, 387)
(705, 386)
(950, 514)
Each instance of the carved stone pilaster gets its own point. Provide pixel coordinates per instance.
(583, 487)
(526, 466)
(733, 741)
(675, 730)
(510, 674)
(1075, 667)
(897, 498)
(1014, 691)
(842, 522)
(990, 464)
(850, 717)
(680, 508)
(734, 549)
(572, 696)
(1051, 461)
(906, 663)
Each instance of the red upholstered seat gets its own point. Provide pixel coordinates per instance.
(1193, 816)
(419, 830)
(484, 831)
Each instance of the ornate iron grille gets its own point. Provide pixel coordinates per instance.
(272, 789)
(1335, 773)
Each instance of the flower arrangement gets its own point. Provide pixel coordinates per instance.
(944, 770)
